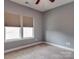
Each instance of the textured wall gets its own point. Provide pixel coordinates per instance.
(37, 17)
(59, 25)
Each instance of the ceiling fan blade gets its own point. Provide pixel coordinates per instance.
(37, 2)
(51, 0)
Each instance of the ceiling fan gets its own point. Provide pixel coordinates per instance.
(37, 2)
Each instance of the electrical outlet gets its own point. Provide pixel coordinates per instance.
(68, 43)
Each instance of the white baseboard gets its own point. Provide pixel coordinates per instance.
(25, 46)
(70, 49)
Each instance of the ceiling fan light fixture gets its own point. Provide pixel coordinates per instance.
(51, 0)
(37, 2)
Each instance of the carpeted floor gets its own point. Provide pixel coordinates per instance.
(42, 51)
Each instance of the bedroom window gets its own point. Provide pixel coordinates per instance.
(12, 26)
(18, 27)
(28, 32)
(12, 33)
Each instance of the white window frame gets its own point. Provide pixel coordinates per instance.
(8, 40)
(32, 33)
(21, 33)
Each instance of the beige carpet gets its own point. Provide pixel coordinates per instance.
(41, 51)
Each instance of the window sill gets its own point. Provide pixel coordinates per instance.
(12, 40)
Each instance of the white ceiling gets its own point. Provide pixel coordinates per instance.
(44, 5)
